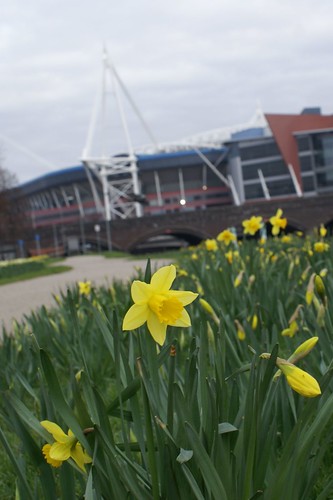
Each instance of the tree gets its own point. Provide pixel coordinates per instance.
(13, 221)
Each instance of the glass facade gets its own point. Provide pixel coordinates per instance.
(316, 160)
(263, 157)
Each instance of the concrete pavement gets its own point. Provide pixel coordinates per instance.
(18, 299)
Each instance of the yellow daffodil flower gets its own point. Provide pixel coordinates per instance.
(278, 222)
(84, 287)
(65, 446)
(320, 247)
(322, 231)
(252, 225)
(299, 380)
(157, 305)
(291, 331)
(226, 237)
(211, 245)
(229, 256)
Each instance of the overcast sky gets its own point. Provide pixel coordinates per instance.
(189, 65)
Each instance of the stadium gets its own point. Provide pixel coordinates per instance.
(271, 157)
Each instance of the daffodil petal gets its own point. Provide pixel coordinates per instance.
(163, 278)
(184, 297)
(79, 457)
(184, 319)
(156, 328)
(61, 451)
(140, 291)
(55, 430)
(135, 316)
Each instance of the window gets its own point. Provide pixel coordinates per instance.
(281, 187)
(259, 151)
(308, 183)
(325, 178)
(303, 143)
(306, 163)
(323, 146)
(253, 191)
(269, 168)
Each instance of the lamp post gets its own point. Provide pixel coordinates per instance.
(97, 229)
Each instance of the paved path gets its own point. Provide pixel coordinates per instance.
(18, 299)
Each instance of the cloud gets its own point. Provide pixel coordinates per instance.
(190, 65)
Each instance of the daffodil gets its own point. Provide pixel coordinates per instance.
(238, 279)
(286, 239)
(278, 222)
(226, 237)
(84, 287)
(65, 446)
(303, 349)
(322, 231)
(252, 225)
(229, 256)
(208, 308)
(299, 380)
(240, 330)
(320, 247)
(157, 305)
(320, 288)
(291, 330)
(254, 322)
(211, 245)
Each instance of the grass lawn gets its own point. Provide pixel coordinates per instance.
(22, 273)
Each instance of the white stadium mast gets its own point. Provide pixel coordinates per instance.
(118, 174)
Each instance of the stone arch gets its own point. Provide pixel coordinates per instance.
(189, 235)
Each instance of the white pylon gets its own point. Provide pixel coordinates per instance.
(118, 174)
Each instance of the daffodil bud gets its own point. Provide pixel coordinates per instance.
(238, 279)
(208, 308)
(320, 288)
(303, 349)
(309, 291)
(299, 380)
(322, 231)
(254, 323)
(240, 330)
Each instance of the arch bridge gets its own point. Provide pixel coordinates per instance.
(303, 214)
